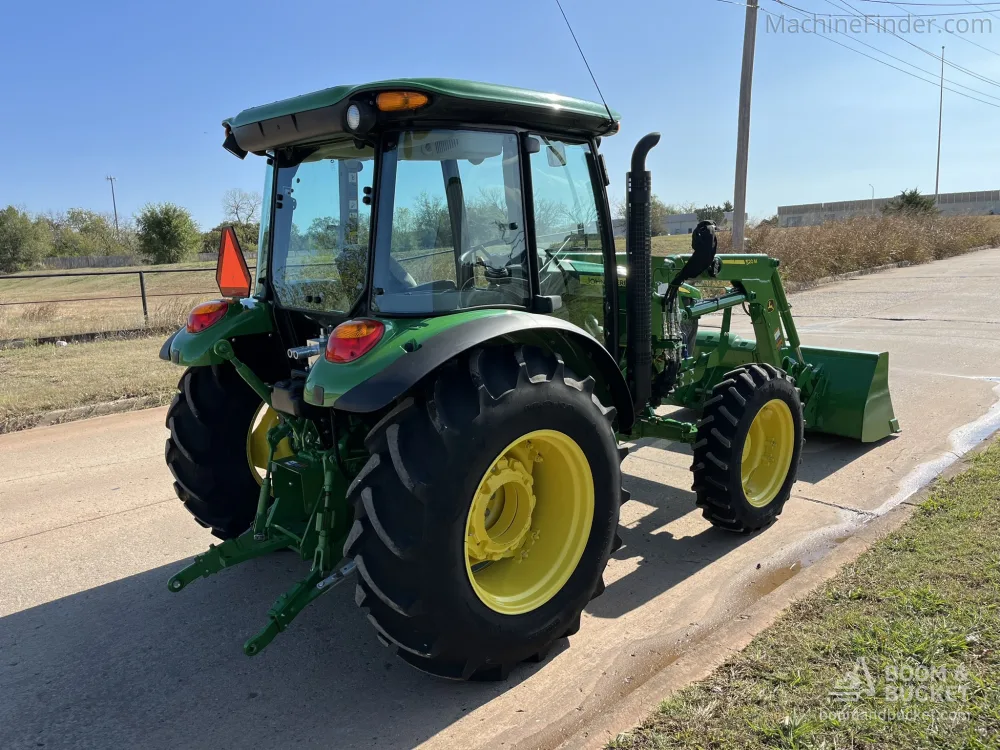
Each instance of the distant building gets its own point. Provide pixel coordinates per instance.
(950, 204)
(685, 223)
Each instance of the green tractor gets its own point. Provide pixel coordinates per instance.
(429, 380)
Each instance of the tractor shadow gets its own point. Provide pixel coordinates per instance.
(128, 665)
(823, 455)
(662, 560)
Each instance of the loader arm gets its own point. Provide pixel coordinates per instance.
(844, 392)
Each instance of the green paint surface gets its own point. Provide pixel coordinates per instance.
(196, 349)
(482, 92)
(336, 379)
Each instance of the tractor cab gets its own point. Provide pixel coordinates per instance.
(406, 210)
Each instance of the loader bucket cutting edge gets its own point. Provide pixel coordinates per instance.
(852, 399)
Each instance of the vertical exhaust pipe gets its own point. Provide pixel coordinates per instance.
(638, 282)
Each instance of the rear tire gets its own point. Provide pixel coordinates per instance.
(206, 452)
(728, 497)
(412, 505)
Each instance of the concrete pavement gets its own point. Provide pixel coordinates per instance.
(95, 652)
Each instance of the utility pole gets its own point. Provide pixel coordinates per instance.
(743, 129)
(937, 173)
(873, 197)
(114, 203)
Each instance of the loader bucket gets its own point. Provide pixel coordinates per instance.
(852, 396)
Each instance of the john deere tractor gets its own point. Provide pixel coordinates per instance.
(428, 379)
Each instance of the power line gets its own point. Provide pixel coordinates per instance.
(977, 5)
(870, 57)
(928, 5)
(899, 59)
(927, 52)
(908, 15)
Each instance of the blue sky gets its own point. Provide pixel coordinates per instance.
(138, 90)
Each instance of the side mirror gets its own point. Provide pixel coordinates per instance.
(555, 154)
(704, 245)
(231, 272)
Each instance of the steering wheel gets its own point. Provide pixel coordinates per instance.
(504, 287)
(478, 255)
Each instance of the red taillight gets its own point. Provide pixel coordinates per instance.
(207, 314)
(352, 339)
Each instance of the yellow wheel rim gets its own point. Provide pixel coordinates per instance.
(767, 453)
(529, 522)
(263, 420)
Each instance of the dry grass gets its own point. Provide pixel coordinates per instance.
(80, 305)
(667, 244)
(37, 379)
(811, 253)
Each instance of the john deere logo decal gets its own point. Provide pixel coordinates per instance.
(770, 305)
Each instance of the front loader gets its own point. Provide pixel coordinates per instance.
(430, 379)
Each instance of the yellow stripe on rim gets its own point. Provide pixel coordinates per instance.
(529, 522)
(767, 453)
(263, 420)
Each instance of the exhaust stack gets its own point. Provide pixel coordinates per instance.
(638, 282)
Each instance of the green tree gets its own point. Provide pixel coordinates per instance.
(211, 239)
(431, 222)
(910, 203)
(23, 241)
(659, 211)
(166, 233)
(83, 232)
(711, 213)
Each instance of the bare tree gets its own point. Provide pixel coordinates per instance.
(242, 209)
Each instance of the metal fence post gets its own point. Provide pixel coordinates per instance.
(142, 291)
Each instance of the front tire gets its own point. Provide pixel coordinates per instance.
(454, 598)
(746, 457)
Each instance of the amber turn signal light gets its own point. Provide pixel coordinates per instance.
(396, 101)
(352, 339)
(207, 314)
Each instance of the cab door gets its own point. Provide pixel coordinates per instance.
(571, 240)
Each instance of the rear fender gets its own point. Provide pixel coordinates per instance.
(583, 354)
(244, 317)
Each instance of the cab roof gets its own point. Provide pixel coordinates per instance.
(321, 113)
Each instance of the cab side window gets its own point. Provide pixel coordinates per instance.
(567, 232)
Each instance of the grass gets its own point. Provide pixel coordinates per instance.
(924, 599)
(667, 244)
(806, 254)
(37, 379)
(70, 304)
(811, 253)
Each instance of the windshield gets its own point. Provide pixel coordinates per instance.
(321, 225)
(457, 228)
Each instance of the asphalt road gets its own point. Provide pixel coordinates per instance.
(96, 653)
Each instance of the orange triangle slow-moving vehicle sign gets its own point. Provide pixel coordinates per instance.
(231, 272)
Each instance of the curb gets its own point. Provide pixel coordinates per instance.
(732, 636)
(75, 413)
(76, 338)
